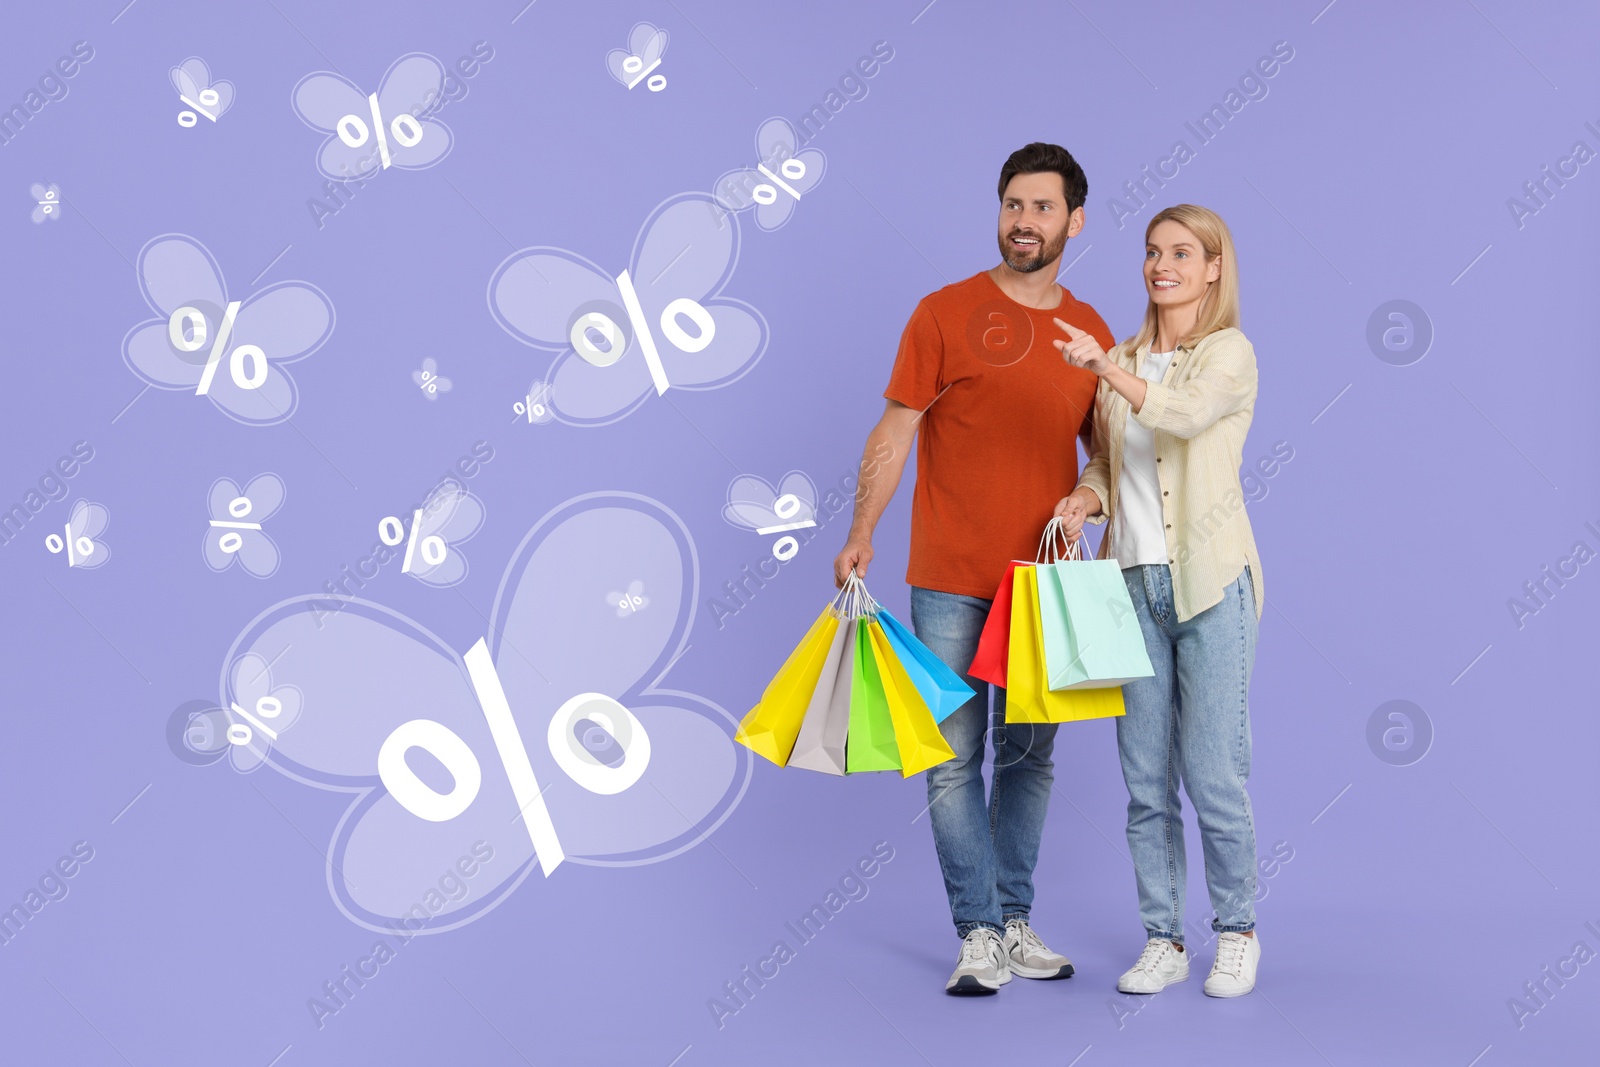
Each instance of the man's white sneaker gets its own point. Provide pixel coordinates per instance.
(1233, 974)
(1029, 956)
(983, 967)
(1158, 966)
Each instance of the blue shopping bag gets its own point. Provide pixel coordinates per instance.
(941, 688)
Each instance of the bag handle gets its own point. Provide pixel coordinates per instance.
(1047, 551)
(852, 601)
(1079, 550)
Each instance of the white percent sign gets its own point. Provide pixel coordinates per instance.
(266, 708)
(786, 507)
(445, 745)
(231, 541)
(354, 132)
(391, 533)
(208, 98)
(84, 546)
(243, 356)
(634, 66)
(611, 333)
(792, 169)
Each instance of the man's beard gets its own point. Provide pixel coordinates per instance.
(1044, 254)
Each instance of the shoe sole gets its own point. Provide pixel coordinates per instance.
(1147, 992)
(1226, 996)
(969, 986)
(1042, 973)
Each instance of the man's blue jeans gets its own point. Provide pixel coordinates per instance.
(1190, 722)
(987, 846)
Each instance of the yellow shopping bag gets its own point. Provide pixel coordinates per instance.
(772, 725)
(916, 735)
(1028, 695)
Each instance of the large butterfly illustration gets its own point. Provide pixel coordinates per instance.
(183, 285)
(557, 300)
(372, 132)
(552, 739)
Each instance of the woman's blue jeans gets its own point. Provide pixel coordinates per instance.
(987, 846)
(1190, 723)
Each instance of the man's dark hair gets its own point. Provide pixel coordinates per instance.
(1041, 156)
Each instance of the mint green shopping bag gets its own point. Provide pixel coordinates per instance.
(1092, 638)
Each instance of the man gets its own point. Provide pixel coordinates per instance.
(995, 454)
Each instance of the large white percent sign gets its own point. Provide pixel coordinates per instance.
(425, 802)
(611, 333)
(406, 129)
(195, 340)
(391, 533)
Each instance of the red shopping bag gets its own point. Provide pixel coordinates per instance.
(990, 661)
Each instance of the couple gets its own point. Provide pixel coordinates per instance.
(999, 374)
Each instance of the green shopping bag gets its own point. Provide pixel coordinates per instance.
(870, 744)
(1091, 634)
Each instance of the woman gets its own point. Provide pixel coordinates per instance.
(1172, 408)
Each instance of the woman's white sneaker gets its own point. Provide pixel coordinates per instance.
(1158, 966)
(1233, 974)
(983, 967)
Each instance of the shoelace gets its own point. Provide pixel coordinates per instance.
(1154, 951)
(1230, 955)
(1031, 941)
(979, 948)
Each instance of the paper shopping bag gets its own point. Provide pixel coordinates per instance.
(1091, 635)
(770, 727)
(941, 687)
(820, 744)
(994, 642)
(870, 745)
(916, 735)
(1028, 699)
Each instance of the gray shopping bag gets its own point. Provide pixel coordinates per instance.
(820, 744)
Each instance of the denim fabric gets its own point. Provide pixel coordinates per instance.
(1190, 722)
(987, 846)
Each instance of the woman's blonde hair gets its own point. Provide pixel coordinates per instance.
(1219, 308)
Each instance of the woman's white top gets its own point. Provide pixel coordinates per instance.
(1137, 533)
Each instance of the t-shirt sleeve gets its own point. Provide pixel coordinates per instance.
(918, 375)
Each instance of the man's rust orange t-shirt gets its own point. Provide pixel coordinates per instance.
(996, 446)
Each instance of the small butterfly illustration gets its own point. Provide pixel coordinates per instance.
(234, 535)
(429, 381)
(409, 92)
(632, 601)
(742, 189)
(46, 202)
(645, 44)
(685, 254)
(182, 283)
(78, 540)
(753, 502)
(246, 729)
(535, 405)
(449, 516)
(191, 78)
(560, 742)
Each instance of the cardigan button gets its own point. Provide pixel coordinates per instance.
(1169, 525)
(1164, 493)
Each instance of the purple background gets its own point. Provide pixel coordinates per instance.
(1378, 168)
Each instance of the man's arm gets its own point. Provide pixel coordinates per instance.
(883, 460)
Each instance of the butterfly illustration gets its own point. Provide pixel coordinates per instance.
(448, 517)
(85, 523)
(800, 169)
(550, 298)
(46, 202)
(647, 44)
(247, 729)
(410, 91)
(753, 502)
(429, 380)
(284, 322)
(631, 601)
(191, 78)
(552, 739)
(252, 549)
